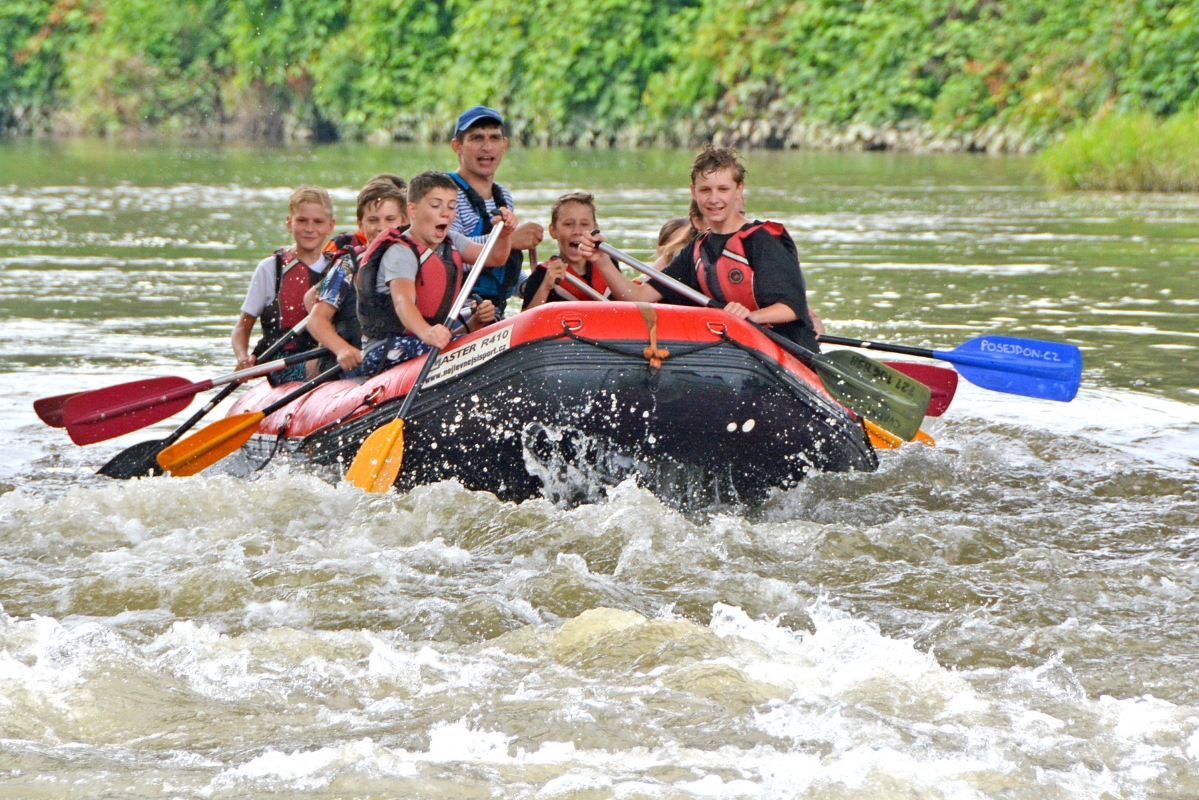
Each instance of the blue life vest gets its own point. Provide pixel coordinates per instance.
(495, 283)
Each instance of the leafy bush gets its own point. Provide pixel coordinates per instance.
(33, 35)
(149, 64)
(593, 70)
(1127, 152)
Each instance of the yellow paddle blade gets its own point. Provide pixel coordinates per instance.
(924, 438)
(204, 448)
(377, 464)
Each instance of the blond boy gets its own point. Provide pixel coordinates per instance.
(280, 281)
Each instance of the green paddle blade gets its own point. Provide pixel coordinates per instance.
(885, 396)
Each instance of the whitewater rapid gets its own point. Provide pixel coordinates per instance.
(1010, 614)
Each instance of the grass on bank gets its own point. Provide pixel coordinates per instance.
(1127, 152)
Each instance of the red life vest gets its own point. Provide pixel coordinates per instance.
(730, 278)
(293, 279)
(438, 281)
(591, 276)
(344, 241)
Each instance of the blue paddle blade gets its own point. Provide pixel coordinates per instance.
(1029, 367)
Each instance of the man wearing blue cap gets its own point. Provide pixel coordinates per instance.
(480, 144)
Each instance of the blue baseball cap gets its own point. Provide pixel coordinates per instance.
(471, 116)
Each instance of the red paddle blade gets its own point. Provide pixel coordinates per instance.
(88, 405)
(49, 409)
(942, 382)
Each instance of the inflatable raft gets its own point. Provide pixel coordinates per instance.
(568, 397)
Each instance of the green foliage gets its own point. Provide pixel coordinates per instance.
(558, 68)
(375, 73)
(581, 70)
(1127, 152)
(273, 42)
(33, 35)
(146, 64)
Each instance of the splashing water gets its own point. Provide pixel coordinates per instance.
(1009, 614)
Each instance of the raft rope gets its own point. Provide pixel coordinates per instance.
(569, 333)
(368, 402)
(279, 437)
(653, 354)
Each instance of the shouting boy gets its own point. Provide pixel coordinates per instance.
(280, 281)
(408, 280)
(751, 266)
(572, 219)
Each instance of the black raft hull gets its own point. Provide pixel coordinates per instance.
(563, 416)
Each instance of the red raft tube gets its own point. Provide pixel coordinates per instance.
(569, 397)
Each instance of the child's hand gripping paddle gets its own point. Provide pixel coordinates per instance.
(880, 394)
(377, 463)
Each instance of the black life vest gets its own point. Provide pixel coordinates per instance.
(591, 276)
(495, 283)
(287, 308)
(438, 281)
(730, 278)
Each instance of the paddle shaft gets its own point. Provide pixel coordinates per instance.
(582, 286)
(194, 419)
(801, 353)
(922, 352)
(203, 386)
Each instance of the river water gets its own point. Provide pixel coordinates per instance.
(1010, 614)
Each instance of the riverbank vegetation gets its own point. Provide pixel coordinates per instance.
(995, 75)
(1127, 152)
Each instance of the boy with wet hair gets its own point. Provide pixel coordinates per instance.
(409, 279)
(334, 314)
(750, 266)
(572, 219)
(359, 238)
(281, 280)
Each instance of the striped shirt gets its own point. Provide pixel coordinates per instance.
(467, 221)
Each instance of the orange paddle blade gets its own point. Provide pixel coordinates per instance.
(377, 464)
(881, 438)
(204, 448)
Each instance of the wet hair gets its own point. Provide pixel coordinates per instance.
(669, 231)
(377, 191)
(670, 228)
(582, 198)
(309, 194)
(712, 159)
(426, 182)
(396, 180)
